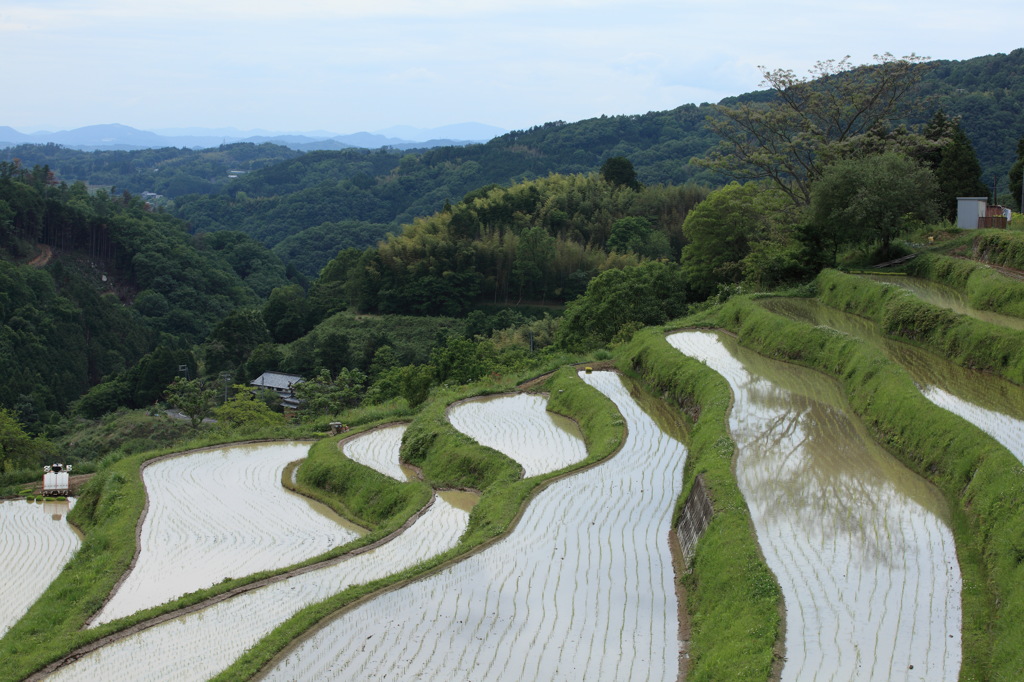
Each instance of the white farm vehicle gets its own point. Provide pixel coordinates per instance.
(57, 480)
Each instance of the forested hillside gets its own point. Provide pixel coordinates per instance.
(121, 279)
(351, 198)
(167, 171)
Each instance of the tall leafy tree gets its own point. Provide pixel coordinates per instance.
(17, 448)
(243, 410)
(788, 139)
(958, 172)
(644, 294)
(739, 233)
(618, 170)
(1017, 174)
(193, 397)
(322, 394)
(860, 201)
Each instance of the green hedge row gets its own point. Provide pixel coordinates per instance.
(733, 599)
(981, 481)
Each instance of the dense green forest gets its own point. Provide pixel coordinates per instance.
(352, 197)
(123, 279)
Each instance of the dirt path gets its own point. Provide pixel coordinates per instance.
(43, 258)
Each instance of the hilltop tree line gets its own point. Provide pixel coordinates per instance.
(292, 202)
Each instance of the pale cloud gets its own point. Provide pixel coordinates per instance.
(349, 66)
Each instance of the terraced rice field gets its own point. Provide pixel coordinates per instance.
(946, 297)
(378, 449)
(582, 588)
(217, 514)
(201, 644)
(35, 543)
(520, 426)
(992, 404)
(859, 544)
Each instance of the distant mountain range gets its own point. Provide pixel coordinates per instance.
(115, 136)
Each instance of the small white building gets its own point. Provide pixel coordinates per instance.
(280, 383)
(975, 212)
(968, 210)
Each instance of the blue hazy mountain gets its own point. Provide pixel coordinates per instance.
(117, 136)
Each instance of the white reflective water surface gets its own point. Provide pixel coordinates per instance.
(859, 544)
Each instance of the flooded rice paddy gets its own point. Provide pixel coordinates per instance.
(35, 543)
(943, 296)
(219, 514)
(378, 449)
(859, 544)
(581, 588)
(520, 426)
(992, 404)
(199, 645)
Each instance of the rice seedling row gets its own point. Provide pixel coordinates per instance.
(520, 426)
(198, 645)
(35, 543)
(378, 449)
(859, 545)
(219, 514)
(582, 587)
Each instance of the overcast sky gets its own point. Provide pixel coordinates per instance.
(345, 66)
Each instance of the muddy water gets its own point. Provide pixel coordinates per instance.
(35, 543)
(581, 589)
(378, 449)
(859, 544)
(218, 514)
(990, 403)
(201, 644)
(946, 297)
(520, 426)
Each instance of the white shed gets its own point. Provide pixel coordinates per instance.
(968, 210)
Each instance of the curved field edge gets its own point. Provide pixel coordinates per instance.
(902, 316)
(733, 600)
(984, 287)
(446, 457)
(108, 514)
(981, 481)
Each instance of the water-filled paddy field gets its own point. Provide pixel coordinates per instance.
(199, 645)
(520, 426)
(992, 404)
(581, 588)
(378, 449)
(217, 514)
(859, 544)
(946, 297)
(35, 543)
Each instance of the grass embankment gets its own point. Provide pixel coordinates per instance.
(108, 512)
(902, 316)
(450, 459)
(981, 481)
(733, 600)
(356, 492)
(985, 288)
(997, 247)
